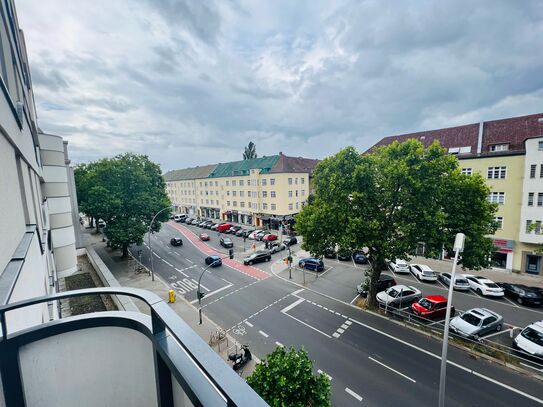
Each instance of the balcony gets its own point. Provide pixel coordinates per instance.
(115, 358)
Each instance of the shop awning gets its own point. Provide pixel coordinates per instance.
(227, 213)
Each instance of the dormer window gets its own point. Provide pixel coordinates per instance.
(499, 147)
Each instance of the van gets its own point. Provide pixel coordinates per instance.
(179, 217)
(223, 227)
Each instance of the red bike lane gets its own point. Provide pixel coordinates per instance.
(204, 248)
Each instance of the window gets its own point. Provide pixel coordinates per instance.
(297, 205)
(235, 203)
(233, 183)
(227, 183)
(303, 192)
(538, 227)
(234, 193)
(272, 207)
(296, 193)
(296, 181)
(540, 199)
(205, 184)
(497, 197)
(242, 204)
(290, 194)
(240, 182)
(496, 172)
(290, 181)
(290, 207)
(531, 199)
(264, 206)
(528, 226)
(216, 183)
(227, 193)
(467, 171)
(264, 182)
(272, 194)
(216, 202)
(541, 171)
(499, 222)
(200, 183)
(533, 168)
(272, 181)
(540, 145)
(264, 194)
(241, 194)
(302, 181)
(499, 147)
(227, 203)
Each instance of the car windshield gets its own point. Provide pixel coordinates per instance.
(428, 272)
(471, 319)
(426, 303)
(392, 292)
(491, 285)
(533, 336)
(461, 281)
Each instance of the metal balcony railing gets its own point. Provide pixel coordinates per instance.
(179, 353)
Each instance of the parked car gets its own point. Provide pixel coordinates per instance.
(259, 236)
(240, 232)
(476, 322)
(269, 238)
(253, 234)
(257, 257)
(344, 255)
(311, 263)
(277, 247)
(223, 226)
(195, 222)
(176, 241)
(178, 217)
(383, 283)
(460, 282)
(290, 240)
(330, 253)
(247, 232)
(423, 272)
(188, 220)
(207, 224)
(101, 223)
(226, 242)
(213, 261)
(530, 340)
(523, 294)
(204, 237)
(202, 223)
(398, 266)
(214, 226)
(360, 258)
(234, 229)
(398, 296)
(484, 286)
(431, 306)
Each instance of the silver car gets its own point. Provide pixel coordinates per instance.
(277, 247)
(398, 296)
(460, 282)
(476, 322)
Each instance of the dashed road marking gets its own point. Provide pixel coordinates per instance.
(336, 335)
(391, 369)
(248, 323)
(189, 260)
(352, 393)
(264, 334)
(279, 344)
(258, 312)
(230, 293)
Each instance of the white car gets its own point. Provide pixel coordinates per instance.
(460, 282)
(423, 272)
(398, 295)
(253, 234)
(484, 286)
(530, 340)
(398, 266)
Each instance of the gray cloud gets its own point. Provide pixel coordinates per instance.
(51, 79)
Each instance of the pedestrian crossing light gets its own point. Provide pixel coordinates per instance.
(200, 294)
(231, 253)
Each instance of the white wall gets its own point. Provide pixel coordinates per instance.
(535, 185)
(104, 366)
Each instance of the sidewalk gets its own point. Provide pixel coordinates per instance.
(123, 271)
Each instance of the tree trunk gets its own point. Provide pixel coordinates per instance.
(377, 265)
(125, 251)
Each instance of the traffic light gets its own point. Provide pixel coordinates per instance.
(200, 294)
(231, 253)
(289, 258)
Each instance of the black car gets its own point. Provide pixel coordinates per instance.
(291, 240)
(523, 294)
(234, 229)
(176, 241)
(344, 255)
(360, 258)
(257, 257)
(226, 242)
(247, 232)
(384, 282)
(240, 232)
(330, 253)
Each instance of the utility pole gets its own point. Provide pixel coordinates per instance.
(149, 234)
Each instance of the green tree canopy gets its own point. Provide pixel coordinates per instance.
(250, 151)
(394, 198)
(285, 378)
(126, 192)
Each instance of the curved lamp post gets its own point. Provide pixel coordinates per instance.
(149, 237)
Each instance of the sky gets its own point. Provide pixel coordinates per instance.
(192, 82)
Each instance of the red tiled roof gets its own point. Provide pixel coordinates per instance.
(513, 131)
(293, 164)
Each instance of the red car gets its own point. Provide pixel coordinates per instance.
(204, 237)
(431, 306)
(223, 227)
(269, 238)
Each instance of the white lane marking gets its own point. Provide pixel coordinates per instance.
(279, 344)
(201, 285)
(213, 293)
(344, 326)
(340, 331)
(306, 324)
(186, 275)
(294, 304)
(324, 373)
(508, 300)
(449, 362)
(248, 323)
(497, 333)
(336, 335)
(348, 322)
(189, 260)
(297, 291)
(391, 369)
(352, 393)
(354, 299)
(156, 255)
(264, 334)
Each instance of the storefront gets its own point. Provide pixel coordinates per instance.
(503, 256)
(532, 262)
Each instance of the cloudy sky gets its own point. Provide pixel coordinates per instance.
(192, 82)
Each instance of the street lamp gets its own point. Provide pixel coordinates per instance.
(149, 233)
(458, 247)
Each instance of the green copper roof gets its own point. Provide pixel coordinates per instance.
(189, 173)
(240, 168)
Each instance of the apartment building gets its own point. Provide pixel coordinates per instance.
(508, 153)
(37, 243)
(263, 192)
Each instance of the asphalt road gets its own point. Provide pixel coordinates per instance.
(371, 360)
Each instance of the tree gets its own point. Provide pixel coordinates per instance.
(285, 378)
(250, 151)
(391, 200)
(126, 192)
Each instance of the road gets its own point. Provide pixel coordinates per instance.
(368, 358)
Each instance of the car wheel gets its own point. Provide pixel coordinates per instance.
(268, 258)
(498, 327)
(250, 263)
(476, 337)
(479, 291)
(519, 300)
(302, 265)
